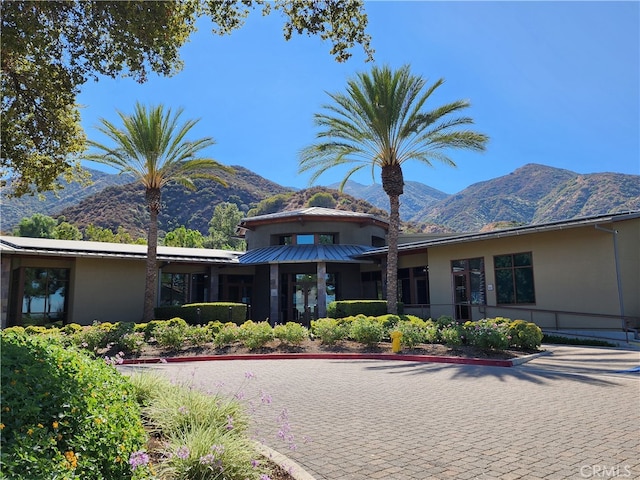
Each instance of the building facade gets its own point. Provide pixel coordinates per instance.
(581, 274)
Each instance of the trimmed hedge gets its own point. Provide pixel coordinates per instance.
(208, 312)
(350, 308)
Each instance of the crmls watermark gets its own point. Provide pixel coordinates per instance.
(605, 471)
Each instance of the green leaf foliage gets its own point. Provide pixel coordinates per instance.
(73, 41)
(55, 424)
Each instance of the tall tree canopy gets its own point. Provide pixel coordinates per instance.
(152, 146)
(382, 122)
(50, 49)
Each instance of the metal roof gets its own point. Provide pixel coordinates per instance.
(508, 232)
(76, 248)
(313, 213)
(304, 253)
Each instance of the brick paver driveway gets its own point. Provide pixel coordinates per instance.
(570, 415)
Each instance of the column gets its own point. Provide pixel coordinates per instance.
(322, 289)
(274, 294)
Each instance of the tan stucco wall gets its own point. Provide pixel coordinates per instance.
(574, 270)
(107, 291)
(629, 246)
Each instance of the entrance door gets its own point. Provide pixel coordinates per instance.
(305, 297)
(468, 286)
(461, 296)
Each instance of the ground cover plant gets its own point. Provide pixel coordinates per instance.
(71, 415)
(64, 414)
(197, 435)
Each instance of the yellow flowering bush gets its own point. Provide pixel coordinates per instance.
(64, 414)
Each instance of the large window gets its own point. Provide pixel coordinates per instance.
(371, 285)
(514, 278)
(173, 290)
(44, 296)
(413, 286)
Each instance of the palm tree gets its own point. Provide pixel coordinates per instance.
(152, 147)
(381, 122)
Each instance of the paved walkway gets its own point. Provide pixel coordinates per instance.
(569, 415)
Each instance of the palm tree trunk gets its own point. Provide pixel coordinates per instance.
(393, 185)
(153, 201)
(392, 254)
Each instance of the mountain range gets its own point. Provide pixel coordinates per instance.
(529, 195)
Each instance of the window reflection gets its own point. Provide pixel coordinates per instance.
(44, 298)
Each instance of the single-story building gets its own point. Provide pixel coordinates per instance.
(580, 274)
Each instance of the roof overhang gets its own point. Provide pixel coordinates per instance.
(305, 254)
(511, 232)
(80, 249)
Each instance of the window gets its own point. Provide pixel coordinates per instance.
(326, 239)
(514, 278)
(377, 241)
(173, 289)
(305, 239)
(413, 286)
(308, 239)
(371, 285)
(44, 298)
(285, 240)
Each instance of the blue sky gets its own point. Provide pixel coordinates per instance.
(555, 83)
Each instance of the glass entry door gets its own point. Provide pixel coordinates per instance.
(305, 297)
(468, 286)
(461, 296)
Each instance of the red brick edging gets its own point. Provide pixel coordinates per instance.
(332, 356)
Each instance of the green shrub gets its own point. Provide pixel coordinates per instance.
(92, 338)
(451, 335)
(198, 335)
(525, 335)
(291, 333)
(171, 333)
(167, 312)
(388, 321)
(130, 343)
(444, 321)
(71, 328)
(227, 335)
(255, 335)
(16, 329)
(55, 424)
(412, 333)
(119, 336)
(367, 331)
(214, 327)
(140, 327)
(35, 329)
(347, 308)
(487, 334)
(105, 326)
(150, 328)
(202, 313)
(329, 330)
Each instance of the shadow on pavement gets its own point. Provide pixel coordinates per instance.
(524, 372)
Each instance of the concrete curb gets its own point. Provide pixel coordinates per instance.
(528, 358)
(284, 462)
(344, 356)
